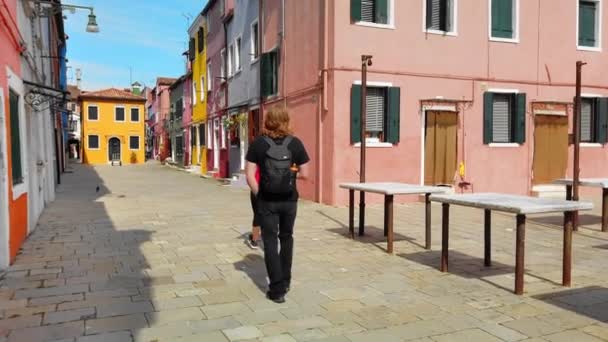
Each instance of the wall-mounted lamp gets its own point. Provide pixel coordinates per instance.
(57, 7)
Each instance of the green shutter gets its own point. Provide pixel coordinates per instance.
(488, 99)
(502, 18)
(16, 167)
(381, 8)
(394, 104)
(275, 62)
(519, 121)
(429, 14)
(602, 120)
(266, 73)
(586, 23)
(355, 10)
(355, 114)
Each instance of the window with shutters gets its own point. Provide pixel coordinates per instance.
(92, 113)
(93, 142)
(134, 114)
(237, 55)
(223, 65)
(270, 73)
(134, 142)
(504, 118)
(587, 120)
(440, 16)
(192, 136)
(504, 20)
(193, 92)
(203, 88)
(231, 68)
(119, 114)
(201, 40)
(381, 117)
(15, 127)
(201, 135)
(191, 49)
(209, 79)
(594, 120)
(375, 12)
(255, 50)
(589, 25)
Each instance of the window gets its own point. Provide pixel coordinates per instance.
(134, 114)
(191, 49)
(594, 120)
(201, 135)
(202, 89)
(270, 73)
(255, 50)
(237, 55)
(223, 65)
(209, 79)
(192, 136)
(119, 114)
(440, 15)
(371, 11)
(230, 60)
(382, 114)
(504, 19)
(201, 40)
(589, 24)
(193, 92)
(504, 118)
(134, 142)
(16, 166)
(93, 113)
(93, 142)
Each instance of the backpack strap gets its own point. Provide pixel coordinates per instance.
(287, 140)
(269, 141)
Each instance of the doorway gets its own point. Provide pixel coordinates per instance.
(550, 148)
(114, 150)
(216, 144)
(440, 151)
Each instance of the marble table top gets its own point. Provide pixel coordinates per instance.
(512, 203)
(389, 188)
(592, 182)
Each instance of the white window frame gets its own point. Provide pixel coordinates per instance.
(89, 143)
(194, 92)
(391, 19)
(598, 26)
(223, 65)
(15, 83)
(230, 66)
(125, 112)
(138, 143)
(516, 11)
(202, 88)
(209, 78)
(89, 106)
(138, 114)
(453, 33)
(373, 142)
(222, 134)
(253, 42)
(238, 44)
(503, 91)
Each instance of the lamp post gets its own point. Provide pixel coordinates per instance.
(366, 60)
(92, 26)
(577, 138)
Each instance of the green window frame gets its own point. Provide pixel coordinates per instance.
(270, 62)
(15, 126)
(594, 120)
(383, 105)
(440, 15)
(588, 20)
(503, 15)
(504, 118)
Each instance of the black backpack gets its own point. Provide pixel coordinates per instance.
(276, 176)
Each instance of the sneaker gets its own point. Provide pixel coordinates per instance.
(278, 300)
(251, 242)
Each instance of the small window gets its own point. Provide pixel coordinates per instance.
(504, 19)
(191, 49)
(223, 65)
(202, 88)
(270, 73)
(119, 114)
(231, 69)
(193, 92)
(440, 15)
(93, 113)
(134, 142)
(382, 115)
(371, 11)
(93, 142)
(237, 55)
(134, 114)
(594, 120)
(193, 136)
(15, 126)
(255, 51)
(504, 118)
(201, 40)
(209, 79)
(201, 135)
(589, 23)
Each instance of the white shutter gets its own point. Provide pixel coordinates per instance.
(586, 119)
(501, 109)
(367, 11)
(375, 109)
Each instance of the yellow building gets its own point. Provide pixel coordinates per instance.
(112, 127)
(198, 58)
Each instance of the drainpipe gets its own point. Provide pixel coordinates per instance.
(225, 103)
(323, 104)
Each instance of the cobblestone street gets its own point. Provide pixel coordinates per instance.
(135, 263)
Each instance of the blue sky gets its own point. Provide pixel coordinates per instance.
(148, 36)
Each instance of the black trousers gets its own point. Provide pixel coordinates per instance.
(277, 220)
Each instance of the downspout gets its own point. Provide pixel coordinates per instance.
(323, 106)
(223, 134)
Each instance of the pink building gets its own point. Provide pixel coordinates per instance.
(476, 95)
(159, 114)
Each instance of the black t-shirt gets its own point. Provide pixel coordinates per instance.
(257, 154)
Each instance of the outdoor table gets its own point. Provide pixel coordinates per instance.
(590, 182)
(389, 190)
(521, 206)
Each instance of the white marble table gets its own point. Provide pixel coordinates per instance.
(521, 206)
(594, 183)
(389, 190)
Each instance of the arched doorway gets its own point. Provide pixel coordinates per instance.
(114, 150)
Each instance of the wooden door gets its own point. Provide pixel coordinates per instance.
(440, 148)
(550, 148)
(114, 150)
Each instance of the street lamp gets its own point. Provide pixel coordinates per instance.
(55, 8)
(92, 25)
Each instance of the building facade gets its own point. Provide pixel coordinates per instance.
(112, 127)
(160, 113)
(74, 126)
(176, 126)
(197, 54)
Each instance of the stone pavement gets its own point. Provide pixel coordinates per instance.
(159, 255)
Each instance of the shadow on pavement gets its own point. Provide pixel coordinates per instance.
(591, 301)
(253, 265)
(585, 220)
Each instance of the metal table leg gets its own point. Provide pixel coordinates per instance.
(427, 221)
(445, 232)
(361, 213)
(388, 221)
(488, 237)
(567, 255)
(351, 213)
(519, 254)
